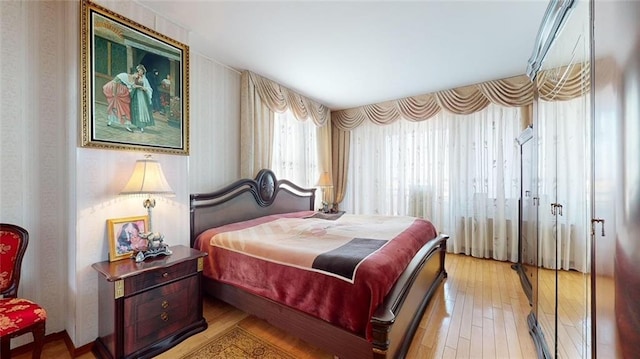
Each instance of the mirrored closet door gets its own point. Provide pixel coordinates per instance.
(561, 125)
(616, 180)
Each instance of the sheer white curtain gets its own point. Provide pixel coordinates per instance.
(295, 150)
(459, 171)
(563, 173)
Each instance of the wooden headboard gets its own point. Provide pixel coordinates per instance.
(247, 199)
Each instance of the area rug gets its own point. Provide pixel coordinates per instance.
(237, 343)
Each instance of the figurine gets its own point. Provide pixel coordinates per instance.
(155, 246)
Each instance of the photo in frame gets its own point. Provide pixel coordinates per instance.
(124, 236)
(135, 85)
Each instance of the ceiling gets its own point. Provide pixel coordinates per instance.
(345, 54)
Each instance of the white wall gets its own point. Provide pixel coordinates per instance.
(33, 153)
(63, 193)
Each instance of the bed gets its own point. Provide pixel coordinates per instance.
(382, 326)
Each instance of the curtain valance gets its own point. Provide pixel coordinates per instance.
(553, 85)
(565, 83)
(279, 98)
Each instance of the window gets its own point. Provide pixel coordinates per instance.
(295, 155)
(459, 171)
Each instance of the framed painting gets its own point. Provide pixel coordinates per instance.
(124, 236)
(135, 85)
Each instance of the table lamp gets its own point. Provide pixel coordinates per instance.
(148, 179)
(324, 182)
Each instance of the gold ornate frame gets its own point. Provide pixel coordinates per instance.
(128, 230)
(112, 48)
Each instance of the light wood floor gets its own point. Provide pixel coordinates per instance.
(573, 326)
(480, 312)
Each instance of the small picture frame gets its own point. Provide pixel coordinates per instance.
(124, 236)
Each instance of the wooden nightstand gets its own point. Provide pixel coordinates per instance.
(149, 307)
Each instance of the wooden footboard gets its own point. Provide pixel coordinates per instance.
(394, 322)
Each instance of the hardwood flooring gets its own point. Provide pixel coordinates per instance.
(480, 312)
(573, 328)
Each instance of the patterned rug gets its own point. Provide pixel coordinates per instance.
(237, 343)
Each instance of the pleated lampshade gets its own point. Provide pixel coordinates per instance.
(147, 178)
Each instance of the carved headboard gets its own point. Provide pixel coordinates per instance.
(247, 199)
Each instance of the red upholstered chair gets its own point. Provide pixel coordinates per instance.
(17, 315)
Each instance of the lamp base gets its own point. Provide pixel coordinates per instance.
(142, 255)
(325, 207)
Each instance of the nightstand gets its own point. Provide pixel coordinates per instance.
(148, 307)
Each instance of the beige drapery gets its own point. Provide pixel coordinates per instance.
(323, 136)
(260, 99)
(256, 130)
(340, 152)
(558, 84)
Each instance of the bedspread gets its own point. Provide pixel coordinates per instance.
(337, 270)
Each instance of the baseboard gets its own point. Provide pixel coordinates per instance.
(76, 352)
(63, 336)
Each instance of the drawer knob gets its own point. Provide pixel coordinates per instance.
(164, 316)
(165, 275)
(165, 304)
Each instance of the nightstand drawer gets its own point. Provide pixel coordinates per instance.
(156, 314)
(152, 278)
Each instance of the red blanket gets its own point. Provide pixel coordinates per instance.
(337, 270)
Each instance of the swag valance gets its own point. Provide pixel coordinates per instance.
(279, 98)
(553, 85)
